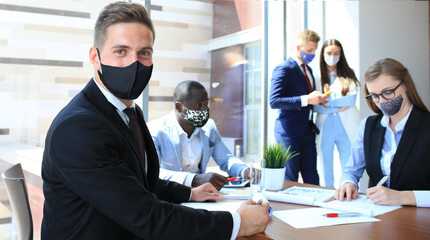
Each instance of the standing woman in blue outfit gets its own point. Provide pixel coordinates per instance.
(339, 118)
(393, 143)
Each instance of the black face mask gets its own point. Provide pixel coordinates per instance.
(125, 82)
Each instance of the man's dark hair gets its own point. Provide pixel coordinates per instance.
(183, 90)
(120, 12)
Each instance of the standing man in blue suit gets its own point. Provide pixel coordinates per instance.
(292, 92)
(186, 138)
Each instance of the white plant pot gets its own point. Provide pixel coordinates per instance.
(274, 178)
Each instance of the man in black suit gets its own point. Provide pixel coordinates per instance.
(100, 167)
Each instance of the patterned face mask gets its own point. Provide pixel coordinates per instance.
(391, 107)
(198, 118)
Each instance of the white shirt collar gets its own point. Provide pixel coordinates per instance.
(298, 61)
(385, 121)
(112, 99)
(183, 133)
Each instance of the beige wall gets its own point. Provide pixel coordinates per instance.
(44, 58)
(43, 61)
(180, 49)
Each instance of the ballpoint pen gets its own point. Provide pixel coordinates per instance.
(259, 198)
(382, 181)
(233, 179)
(332, 215)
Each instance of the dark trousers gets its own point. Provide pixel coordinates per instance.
(306, 161)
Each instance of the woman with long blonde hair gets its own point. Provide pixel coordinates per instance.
(394, 143)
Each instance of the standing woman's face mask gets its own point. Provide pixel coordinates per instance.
(332, 55)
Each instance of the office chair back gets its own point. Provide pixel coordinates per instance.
(13, 178)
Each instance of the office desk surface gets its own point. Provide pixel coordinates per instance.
(403, 223)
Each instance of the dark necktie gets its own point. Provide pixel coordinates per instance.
(135, 129)
(306, 76)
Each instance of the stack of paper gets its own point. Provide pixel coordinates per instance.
(236, 193)
(361, 205)
(313, 217)
(230, 206)
(301, 195)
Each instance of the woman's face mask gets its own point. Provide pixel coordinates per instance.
(391, 107)
(331, 60)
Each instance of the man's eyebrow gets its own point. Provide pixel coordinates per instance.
(128, 47)
(120, 46)
(147, 48)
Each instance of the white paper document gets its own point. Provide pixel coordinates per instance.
(301, 195)
(313, 217)
(319, 194)
(230, 206)
(361, 205)
(236, 193)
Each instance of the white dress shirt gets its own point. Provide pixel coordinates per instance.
(391, 141)
(299, 62)
(353, 170)
(192, 153)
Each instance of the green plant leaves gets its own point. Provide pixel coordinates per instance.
(275, 155)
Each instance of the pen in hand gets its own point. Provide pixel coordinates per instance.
(260, 201)
(382, 181)
(233, 179)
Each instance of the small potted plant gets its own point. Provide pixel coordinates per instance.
(275, 156)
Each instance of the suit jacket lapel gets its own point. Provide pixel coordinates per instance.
(96, 97)
(175, 138)
(125, 130)
(374, 162)
(206, 147)
(405, 146)
(298, 69)
(151, 154)
(313, 78)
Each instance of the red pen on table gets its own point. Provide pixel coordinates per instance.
(233, 179)
(332, 215)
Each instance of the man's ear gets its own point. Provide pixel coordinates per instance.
(94, 58)
(178, 106)
(298, 47)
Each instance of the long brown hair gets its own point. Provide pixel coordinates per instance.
(395, 69)
(345, 74)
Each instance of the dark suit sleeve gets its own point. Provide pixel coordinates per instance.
(173, 192)
(87, 155)
(282, 96)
